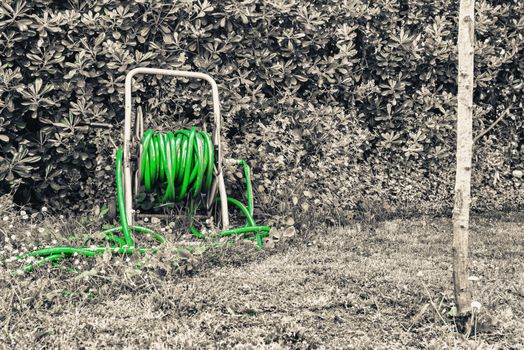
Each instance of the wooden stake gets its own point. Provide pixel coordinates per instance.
(464, 158)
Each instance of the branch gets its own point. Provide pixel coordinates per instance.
(485, 131)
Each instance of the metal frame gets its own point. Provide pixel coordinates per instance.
(218, 179)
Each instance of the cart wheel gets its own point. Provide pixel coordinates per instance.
(111, 206)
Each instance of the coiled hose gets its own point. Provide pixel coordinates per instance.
(175, 165)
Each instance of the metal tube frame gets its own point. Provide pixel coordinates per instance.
(219, 177)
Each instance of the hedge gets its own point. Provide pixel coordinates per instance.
(340, 106)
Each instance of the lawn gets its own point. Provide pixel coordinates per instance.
(383, 285)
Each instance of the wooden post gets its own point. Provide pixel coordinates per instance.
(466, 32)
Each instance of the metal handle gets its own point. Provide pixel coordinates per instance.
(216, 134)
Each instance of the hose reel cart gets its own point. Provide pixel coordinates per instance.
(202, 174)
(133, 151)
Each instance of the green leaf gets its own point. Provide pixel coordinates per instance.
(453, 311)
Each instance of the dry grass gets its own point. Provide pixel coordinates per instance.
(382, 286)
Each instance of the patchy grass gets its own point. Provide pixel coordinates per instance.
(380, 286)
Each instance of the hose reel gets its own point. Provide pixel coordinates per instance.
(133, 145)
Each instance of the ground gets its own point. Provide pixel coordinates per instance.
(366, 286)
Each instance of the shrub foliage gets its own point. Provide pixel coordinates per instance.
(339, 105)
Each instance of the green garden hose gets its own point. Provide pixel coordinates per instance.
(179, 164)
(175, 165)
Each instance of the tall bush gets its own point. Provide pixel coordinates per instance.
(339, 105)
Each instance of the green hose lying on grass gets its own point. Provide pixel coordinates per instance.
(175, 165)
